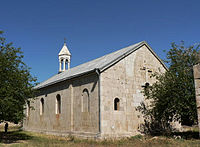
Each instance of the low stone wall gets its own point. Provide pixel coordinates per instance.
(196, 70)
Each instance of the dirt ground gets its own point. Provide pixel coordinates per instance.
(18, 138)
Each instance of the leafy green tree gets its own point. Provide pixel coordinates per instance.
(173, 95)
(16, 82)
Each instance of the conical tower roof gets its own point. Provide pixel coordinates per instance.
(64, 50)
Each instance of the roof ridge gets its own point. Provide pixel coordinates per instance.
(106, 55)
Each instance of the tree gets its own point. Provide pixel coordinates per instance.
(16, 82)
(173, 95)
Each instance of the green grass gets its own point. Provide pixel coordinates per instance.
(18, 138)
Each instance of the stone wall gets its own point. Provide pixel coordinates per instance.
(71, 120)
(125, 80)
(196, 70)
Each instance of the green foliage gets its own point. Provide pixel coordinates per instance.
(173, 95)
(137, 137)
(16, 82)
(181, 61)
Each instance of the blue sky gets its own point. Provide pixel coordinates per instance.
(94, 28)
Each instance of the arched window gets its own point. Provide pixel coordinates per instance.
(116, 104)
(41, 106)
(85, 101)
(28, 108)
(58, 104)
(62, 65)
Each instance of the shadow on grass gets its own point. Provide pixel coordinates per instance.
(187, 135)
(13, 137)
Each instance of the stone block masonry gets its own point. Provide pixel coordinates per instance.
(196, 70)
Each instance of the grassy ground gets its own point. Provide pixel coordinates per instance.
(17, 138)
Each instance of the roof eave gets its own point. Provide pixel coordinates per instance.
(61, 80)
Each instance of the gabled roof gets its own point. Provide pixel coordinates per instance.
(64, 50)
(100, 64)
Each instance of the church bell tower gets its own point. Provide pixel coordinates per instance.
(64, 58)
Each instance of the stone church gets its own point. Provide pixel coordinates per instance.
(97, 99)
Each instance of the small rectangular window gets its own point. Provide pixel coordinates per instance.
(116, 104)
(58, 104)
(28, 109)
(41, 106)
